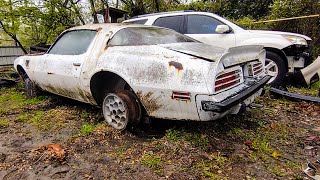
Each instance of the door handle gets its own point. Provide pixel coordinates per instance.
(76, 64)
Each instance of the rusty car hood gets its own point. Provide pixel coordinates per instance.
(200, 50)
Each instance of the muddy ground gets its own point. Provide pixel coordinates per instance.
(269, 141)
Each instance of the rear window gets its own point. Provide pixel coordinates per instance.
(134, 36)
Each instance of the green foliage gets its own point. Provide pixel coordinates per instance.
(209, 167)
(151, 160)
(4, 123)
(29, 23)
(195, 138)
(87, 128)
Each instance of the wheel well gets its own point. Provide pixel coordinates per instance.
(105, 82)
(280, 53)
(22, 72)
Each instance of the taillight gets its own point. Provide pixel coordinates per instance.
(257, 68)
(227, 79)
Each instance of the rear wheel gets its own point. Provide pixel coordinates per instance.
(121, 109)
(276, 68)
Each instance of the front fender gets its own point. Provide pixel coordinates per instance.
(266, 42)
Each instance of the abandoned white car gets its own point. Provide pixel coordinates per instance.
(134, 70)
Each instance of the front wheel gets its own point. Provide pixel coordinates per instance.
(276, 68)
(120, 109)
(31, 88)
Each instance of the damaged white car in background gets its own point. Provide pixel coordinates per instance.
(134, 70)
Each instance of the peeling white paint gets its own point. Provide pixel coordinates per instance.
(152, 71)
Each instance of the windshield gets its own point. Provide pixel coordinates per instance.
(135, 36)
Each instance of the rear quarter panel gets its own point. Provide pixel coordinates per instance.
(154, 73)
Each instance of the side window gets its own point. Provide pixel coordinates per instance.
(73, 42)
(171, 22)
(199, 24)
(141, 21)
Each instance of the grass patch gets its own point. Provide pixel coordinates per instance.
(152, 161)
(195, 138)
(39, 121)
(210, 168)
(24, 117)
(87, 128)
(313, 90)
(53, 119)
(4, 123)
(12, 99)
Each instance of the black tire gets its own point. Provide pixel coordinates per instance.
(121, 109)
(281, 68)
(31, 89)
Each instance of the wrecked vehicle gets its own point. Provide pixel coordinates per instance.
(286, 52)
(135, 70)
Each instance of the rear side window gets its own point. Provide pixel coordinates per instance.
(141, 21)
(199, 24)
(73, 42)
(136, 36)
(171, 22)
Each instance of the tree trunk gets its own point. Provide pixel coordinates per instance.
(14, 37)
(157, 5)
(94, 13)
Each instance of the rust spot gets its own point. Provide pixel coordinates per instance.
(177, 65)
(150, 103)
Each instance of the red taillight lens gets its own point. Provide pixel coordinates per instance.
(257, 68)
(226, 80)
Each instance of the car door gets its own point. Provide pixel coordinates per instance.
(64, 62)
(202, 28)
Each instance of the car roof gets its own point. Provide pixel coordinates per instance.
(161, 13)
(106, 26)
(167, 14)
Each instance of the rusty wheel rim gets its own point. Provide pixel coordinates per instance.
(115, 111)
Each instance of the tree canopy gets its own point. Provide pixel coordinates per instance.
(28, 22)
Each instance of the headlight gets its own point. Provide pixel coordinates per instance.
(296, 39)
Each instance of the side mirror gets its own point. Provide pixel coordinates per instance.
(223, 29)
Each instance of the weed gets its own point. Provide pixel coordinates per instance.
(173, 135)
(195, 138)
(276, 169)
(37, 120)
(219, 159)
(24, 117)
(87, 128)
(36, 100)
(4, 123)
(206, 168)
(293, 165)
(152, 161)
(84, 115)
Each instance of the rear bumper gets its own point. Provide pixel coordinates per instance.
(234, 100)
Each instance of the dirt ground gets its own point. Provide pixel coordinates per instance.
(51, 137)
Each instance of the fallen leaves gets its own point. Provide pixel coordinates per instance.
(51, 151)
(56, 150)
(276, 154)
